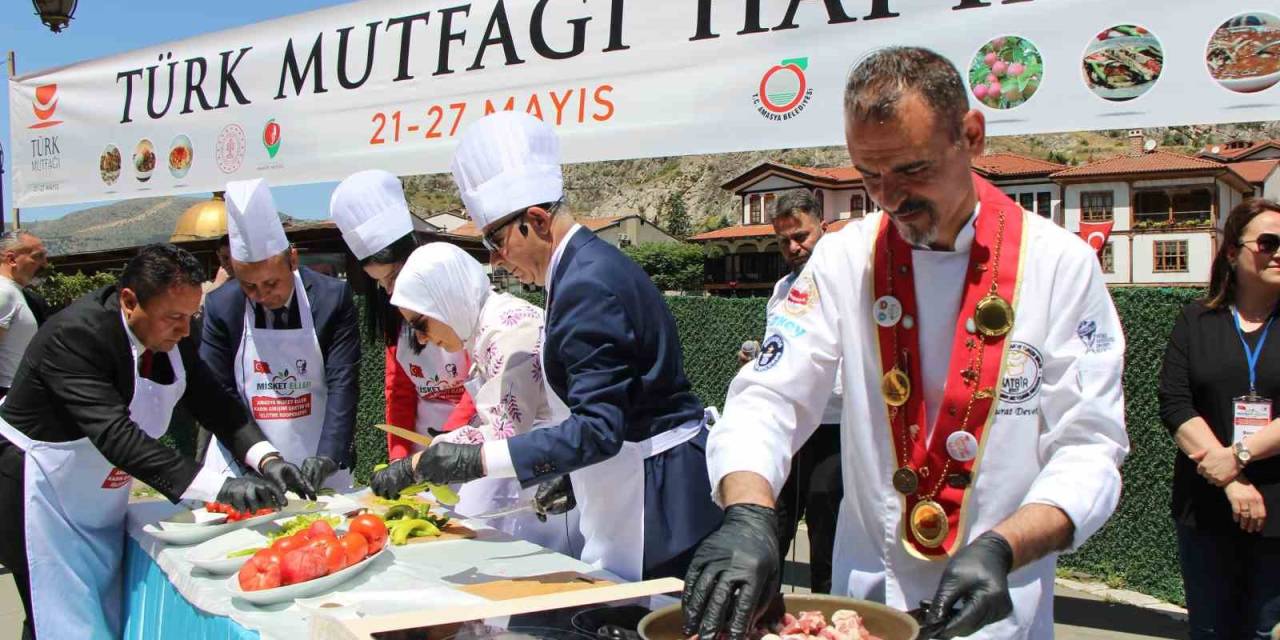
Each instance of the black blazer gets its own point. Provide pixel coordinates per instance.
(1204, 369)
(337, 329)
(76, 380)
(613, 352)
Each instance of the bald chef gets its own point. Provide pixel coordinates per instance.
(626, 425)
(984, 424)
(285, 340)
(84, 417)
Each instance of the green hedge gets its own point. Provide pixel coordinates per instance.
(1135, 549)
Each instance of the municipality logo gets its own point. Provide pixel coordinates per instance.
(784, 91)
(271, 137)
(44, 105)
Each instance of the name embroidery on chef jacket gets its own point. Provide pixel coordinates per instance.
(1024, 371)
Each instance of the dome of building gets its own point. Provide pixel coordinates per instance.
(202, 221)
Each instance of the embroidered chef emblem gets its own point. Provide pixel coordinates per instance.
(770, 352)
(1094, 340)
(802, 297)
(1023, 371)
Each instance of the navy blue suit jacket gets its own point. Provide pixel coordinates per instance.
(338, 331)
(612, 352)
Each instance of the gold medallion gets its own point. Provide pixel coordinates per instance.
(929, 523)
(895, 387)
(906, 481)
(993, 316)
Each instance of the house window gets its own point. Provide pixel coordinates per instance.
(1044, 204)
(1096, 206)
(1027, 201)
(857, 205)
(1169, 256)
(754, 207)
(1163, 207)
(769, 199)
(1107, 258)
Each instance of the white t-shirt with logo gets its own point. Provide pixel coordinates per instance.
(19, 326)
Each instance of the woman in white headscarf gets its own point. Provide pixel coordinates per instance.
(445, 297)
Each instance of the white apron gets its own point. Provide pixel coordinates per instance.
(436, 375)
(75, 513)
(280, 374)
(559, 533)
(610, 496)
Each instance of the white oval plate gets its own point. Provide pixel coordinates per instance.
(291, 592)
(211, 555)
(183, 535)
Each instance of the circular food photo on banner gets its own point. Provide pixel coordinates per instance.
(1123, 62)
(1244, 53)
(1006, 72)
(180, 156)
(144, 159)
(109, 164)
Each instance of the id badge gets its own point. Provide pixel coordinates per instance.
(1250, 415)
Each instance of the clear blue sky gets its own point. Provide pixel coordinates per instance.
(103, 27)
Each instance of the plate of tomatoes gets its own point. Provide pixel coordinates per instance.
(194, 526)
(310, 562)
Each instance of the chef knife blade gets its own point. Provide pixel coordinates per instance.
(411, 436)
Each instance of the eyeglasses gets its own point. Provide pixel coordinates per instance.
(492, 241)
(1265, 243)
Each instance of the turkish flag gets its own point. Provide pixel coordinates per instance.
(1096, 233)
(261, 367)
(415, 371)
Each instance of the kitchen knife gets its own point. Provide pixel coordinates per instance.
(499, 513)
(411, 436)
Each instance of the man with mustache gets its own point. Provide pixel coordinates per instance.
(982, 433)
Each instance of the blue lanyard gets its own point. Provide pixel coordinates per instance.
(1251, 355)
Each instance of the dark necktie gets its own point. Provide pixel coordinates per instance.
(144, 364)
(280, 318)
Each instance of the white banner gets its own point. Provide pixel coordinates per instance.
(390, 84)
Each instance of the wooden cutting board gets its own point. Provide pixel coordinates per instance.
(451, 531)
(540, 585)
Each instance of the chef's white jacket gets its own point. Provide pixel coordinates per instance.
(1058, 437)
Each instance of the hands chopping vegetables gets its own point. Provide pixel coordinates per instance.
(285, 476)
(441, 463)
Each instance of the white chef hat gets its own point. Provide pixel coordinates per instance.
(441, 281)
(252, 221)
(507, 161)
(370, 210)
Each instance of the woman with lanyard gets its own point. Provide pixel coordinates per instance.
(1218, 386)
(446, 298)
(424, 383)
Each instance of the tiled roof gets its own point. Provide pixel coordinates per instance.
(1011, 165)
(1154, 162)
(1254, 170)
(1231, 154)
(731, 233)
(829, 174)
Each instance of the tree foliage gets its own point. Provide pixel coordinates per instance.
(60, 289)
(673, 266)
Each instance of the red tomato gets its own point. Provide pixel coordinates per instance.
(320, 530)
(263, 511)
(372, 528)
(301, 565)
(289, 543)
(262, 571)
(355, 546)
(335, 558)
(211, 507)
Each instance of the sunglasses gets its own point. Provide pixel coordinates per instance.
(492, 241)
(1265, 243)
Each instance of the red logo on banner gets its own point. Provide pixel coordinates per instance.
(44, 105)
(270, 408)
(1096, 233)
(415, 371)
(261, 367)
(116, 479)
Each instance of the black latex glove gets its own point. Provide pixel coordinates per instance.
(974, 590)
(553, 498)
(250, 493)
(734, 575)
(449, 463)
(388, 482)
(287, 477)
(317, 469)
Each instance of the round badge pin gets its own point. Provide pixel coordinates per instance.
(962, 446)
(888, 311)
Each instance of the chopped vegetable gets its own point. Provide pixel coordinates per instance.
(402, 530)
(245, 552)
(399, 511)
(302, 523)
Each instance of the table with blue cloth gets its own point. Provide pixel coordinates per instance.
(168, 597)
